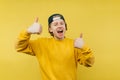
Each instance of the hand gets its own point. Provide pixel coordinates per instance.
(35, 28)
(78, 43)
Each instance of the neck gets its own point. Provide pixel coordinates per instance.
(57, 38)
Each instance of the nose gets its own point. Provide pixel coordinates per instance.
(60, 27)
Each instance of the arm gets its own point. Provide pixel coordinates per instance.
(23, 43)
(84, 55)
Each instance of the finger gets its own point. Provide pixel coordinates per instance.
(36, 20)
(81, 35)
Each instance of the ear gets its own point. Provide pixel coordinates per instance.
(50, 30)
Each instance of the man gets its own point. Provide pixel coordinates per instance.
(58, 56)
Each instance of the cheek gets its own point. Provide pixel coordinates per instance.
(52, 29)
(64, 28)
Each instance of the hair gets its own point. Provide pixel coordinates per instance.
(50, 20)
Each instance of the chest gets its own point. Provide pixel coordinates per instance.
(60, 51)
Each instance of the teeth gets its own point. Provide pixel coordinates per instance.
(60, 31)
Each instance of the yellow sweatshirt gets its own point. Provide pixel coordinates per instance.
(57, 58)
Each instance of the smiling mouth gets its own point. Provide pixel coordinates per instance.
(60, 31)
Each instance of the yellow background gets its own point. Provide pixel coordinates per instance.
(98, 20)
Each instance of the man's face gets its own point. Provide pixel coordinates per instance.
(57, 27)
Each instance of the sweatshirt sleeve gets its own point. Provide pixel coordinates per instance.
(84, 56)
(23, 43)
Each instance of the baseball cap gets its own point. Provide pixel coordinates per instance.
(55, 17)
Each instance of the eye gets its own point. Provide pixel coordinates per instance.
(55, 24)
(62, 23)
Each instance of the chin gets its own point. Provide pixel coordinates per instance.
(61, 38)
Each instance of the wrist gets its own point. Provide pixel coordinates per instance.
(27, 32)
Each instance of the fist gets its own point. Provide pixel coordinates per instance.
(35, 28)
(78, 43)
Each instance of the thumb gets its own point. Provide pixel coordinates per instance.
(81, 35)
(36, 19)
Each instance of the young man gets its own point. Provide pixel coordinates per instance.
(58, 56)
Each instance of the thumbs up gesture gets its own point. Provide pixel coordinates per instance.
(35, 28)
(78, 43)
